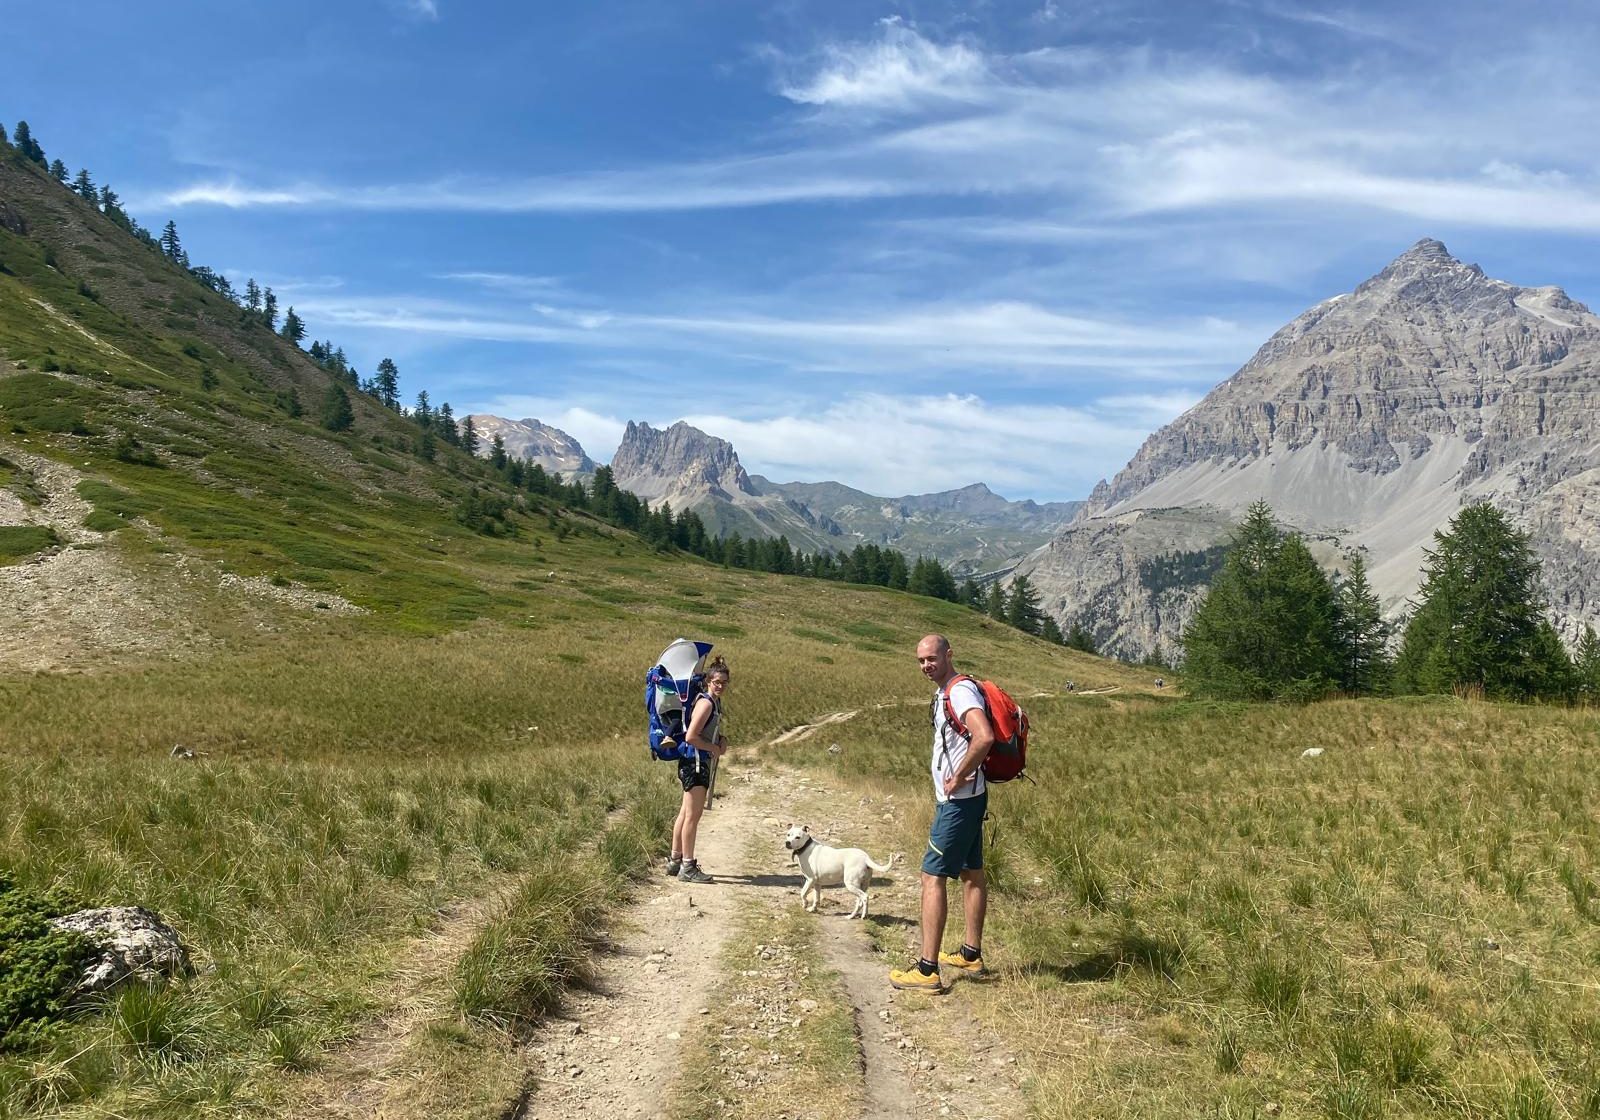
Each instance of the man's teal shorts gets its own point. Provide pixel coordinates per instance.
(955, 842)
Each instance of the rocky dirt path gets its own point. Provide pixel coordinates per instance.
(616, 1051)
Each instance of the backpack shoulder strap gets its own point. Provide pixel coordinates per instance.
(950, 709)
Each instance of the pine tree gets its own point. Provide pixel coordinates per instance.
(423, 412)
(445, 421)
(269, 309)
(294, 327)
(972, 594)
(1267, 627)
(387, 382)
(995, 606)
(1586, 667)
(85, 186)
(1080, 639)
(1478, 622)
(1363, 638)
(22, 138)
(1022, 607)
(497, 452)
(252, 295)
(58, 171)
(1050, 631)
(170, 244)
(337, 415)
(3, 138)
(469, 436)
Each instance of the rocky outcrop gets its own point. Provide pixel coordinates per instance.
(1370, 420)
(551, 448)
(132, 942)
(679, 461)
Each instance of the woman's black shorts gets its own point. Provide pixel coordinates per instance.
(691, 776)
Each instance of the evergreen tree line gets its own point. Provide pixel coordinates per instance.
(1276, 626)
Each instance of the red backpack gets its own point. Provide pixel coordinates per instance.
(1008, 758)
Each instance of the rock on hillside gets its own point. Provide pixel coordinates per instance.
(1367, 421)
(551, 448)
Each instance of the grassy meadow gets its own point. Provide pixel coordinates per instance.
(1190, 919)
(352, 779)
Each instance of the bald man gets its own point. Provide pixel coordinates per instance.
(955, 841)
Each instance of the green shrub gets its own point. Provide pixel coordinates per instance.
(37, 964)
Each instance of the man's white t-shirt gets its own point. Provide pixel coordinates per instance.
(949, 745)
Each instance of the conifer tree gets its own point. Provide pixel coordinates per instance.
(269, 309)
(1050, 631)
(252, 295)
(3, 138)
(423, 412)
(337, 415)
(995, 605)
(170, 244)
(1267, 627)
(85, 186)
(1586, 667)
(1080, 639)
(387, 383)
(1478, 621)
(497, 452)
(972, 594)
(22, 139)
(469, 436)
(58, 171)
(1022, 606)
(1363, 637)
(294, 327)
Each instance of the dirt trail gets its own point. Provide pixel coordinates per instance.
(614, 1051)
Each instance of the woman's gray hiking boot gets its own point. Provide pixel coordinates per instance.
(691, 873)
(674, 865)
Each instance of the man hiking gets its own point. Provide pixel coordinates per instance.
(955, 842)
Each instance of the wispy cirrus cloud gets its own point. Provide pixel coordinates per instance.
(1075, 138)
(931, 341)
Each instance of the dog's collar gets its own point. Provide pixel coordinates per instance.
(795, 852)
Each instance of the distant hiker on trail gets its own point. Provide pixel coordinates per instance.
(955, 841)
(695, 773)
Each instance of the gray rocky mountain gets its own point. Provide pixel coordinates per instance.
(694, 471)
(972, 529)
(1367, 422)
(551, 448)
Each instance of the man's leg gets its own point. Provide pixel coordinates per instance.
(934, 909)
(975, 902)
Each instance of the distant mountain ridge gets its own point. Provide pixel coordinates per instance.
(972, 528)
(1367, 421)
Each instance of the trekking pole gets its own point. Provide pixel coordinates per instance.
(711, 782)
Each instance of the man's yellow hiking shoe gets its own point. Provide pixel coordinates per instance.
(912, 980)
(956, 960)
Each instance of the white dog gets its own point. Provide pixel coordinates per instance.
(823, 866)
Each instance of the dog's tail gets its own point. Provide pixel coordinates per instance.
(880, 866)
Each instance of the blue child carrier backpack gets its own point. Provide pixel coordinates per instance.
(670, 689)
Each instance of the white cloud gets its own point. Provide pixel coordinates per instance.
(421, 9)
(897, 70)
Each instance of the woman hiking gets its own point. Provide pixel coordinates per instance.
(695, 773)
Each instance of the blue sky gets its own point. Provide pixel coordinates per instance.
(907, 245)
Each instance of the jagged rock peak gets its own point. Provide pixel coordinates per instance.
(653, 462)
(528, 438)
